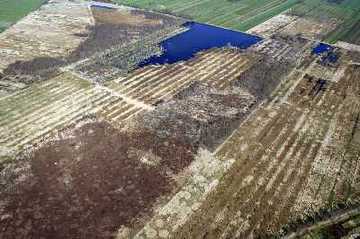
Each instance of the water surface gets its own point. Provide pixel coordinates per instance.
(326, 52)
(322, 48)
(198, 38)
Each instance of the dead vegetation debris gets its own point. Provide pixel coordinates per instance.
(263, 77)
(89, 184)
(200, 114)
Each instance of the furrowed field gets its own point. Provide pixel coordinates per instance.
(239, 15)
(243, 15)
(347, 12)
(11, 11)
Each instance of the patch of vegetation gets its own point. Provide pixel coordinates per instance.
(245, 14)
(351, 33)
(343, 220)
(13, 10)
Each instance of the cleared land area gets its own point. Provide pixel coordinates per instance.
(13, 10)
(232, 143)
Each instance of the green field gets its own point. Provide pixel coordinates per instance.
(13, 10)
(346, 12)
(236, 14)
(245, 14)
(352, 35)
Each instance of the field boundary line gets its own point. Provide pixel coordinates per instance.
(114, 93)
(125, 98)
(259, 107)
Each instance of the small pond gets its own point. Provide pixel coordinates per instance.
(326, 52)
(198, 38)
(102, 5)
(322, 48)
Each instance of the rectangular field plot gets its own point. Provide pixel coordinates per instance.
(31, 114)
(310, 28)
(152, 84)
(272, 26)
(353, 34)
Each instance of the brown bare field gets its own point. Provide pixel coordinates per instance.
(310, 28)
(290, 25)
(72, 188)
(128, 17)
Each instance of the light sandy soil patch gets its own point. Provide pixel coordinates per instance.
(273, 25)
(348, 46)
(51, 31)
(309, 28)
(125, 16)
(287, 24)
(284, 48)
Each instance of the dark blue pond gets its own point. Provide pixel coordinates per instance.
(102, 5)
(326, 52)
(198, 38)
(322, 48)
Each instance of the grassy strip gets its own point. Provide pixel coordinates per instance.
(239, 15)
(12, 11)
(320, 229)
(346, 31)
(245, 14)
(266, 15)
(351, 32)
(347, 13)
